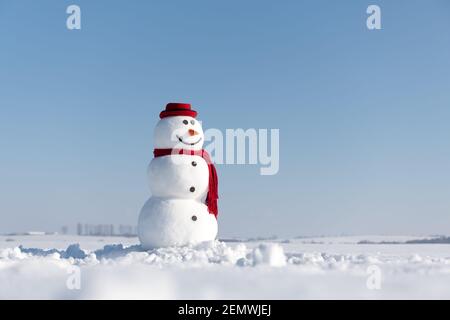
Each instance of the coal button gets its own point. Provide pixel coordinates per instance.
(194, 218)
(191, 189)
(194, 164)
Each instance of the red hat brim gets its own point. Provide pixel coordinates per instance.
(180, 112)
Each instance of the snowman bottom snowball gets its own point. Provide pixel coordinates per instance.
(175, 222)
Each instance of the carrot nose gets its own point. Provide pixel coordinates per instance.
(192, 132)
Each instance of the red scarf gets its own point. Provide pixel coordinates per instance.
(213, 193)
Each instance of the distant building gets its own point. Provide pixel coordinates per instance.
(106, 230)
(79, 229)
(64, 230)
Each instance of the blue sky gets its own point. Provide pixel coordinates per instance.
(363, 115)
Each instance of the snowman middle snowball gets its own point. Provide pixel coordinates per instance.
(176, 214)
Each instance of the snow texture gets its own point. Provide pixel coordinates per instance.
(43, 266)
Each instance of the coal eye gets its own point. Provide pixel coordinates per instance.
(192, 121)
(185, 122)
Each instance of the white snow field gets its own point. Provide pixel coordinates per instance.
(72, 267)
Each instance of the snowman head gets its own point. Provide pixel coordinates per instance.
(178, 128)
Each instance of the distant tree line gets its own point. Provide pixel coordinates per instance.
(436, 240)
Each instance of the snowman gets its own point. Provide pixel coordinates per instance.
(183, 183)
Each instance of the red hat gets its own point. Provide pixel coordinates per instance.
(178, 109)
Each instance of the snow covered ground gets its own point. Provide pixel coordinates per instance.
(72, 267)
